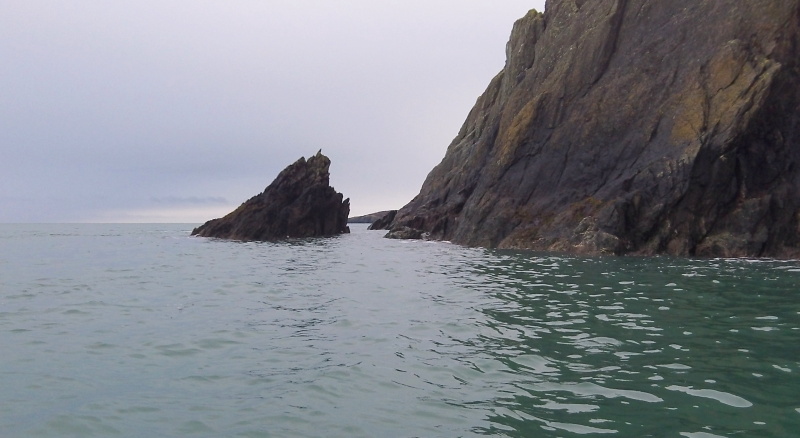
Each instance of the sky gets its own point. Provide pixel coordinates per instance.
(180, 110)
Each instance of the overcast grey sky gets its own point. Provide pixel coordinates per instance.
(178, 111)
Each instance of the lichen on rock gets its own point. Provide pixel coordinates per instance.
(678, 120)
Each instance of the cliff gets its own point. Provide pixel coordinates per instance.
(299, 203)
(631, 126)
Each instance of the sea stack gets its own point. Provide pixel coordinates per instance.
(631, 127)
(299, 203)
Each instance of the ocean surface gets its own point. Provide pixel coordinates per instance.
(143, 331)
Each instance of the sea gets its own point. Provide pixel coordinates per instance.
(139, 330)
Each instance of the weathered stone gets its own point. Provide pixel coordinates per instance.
(667, 126)
(299, 203)
(384, 220)
(403, 232)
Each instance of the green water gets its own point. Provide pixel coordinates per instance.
(647, 347)
(139, 330)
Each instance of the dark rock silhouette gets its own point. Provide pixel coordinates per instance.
(631, 126)
(299, 203)
(384, 220)
(369, 218)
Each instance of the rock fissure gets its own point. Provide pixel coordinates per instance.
(610, 45)
(631, 126)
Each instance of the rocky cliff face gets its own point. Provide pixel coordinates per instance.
(299, 203)
(631, 126)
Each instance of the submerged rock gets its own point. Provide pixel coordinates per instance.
(299, 203)
(631, 126)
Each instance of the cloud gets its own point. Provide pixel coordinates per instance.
(191, 200)
(122, 107)
(164, 215)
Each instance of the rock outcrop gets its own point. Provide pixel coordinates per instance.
(299, 203)
(383, 221)
(369, 218)
(631, 127)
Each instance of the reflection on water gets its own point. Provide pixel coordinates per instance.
(640, 347)
(139, 330)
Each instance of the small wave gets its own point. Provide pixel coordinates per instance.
(720, 396)
(700, 435)
(590, 389)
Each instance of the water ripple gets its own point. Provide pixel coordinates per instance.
(141, 331)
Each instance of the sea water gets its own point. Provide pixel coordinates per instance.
(143, 331)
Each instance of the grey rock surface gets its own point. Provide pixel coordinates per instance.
(631, 127)
(299, 203)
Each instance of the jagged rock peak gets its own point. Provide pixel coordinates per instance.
(631, 126)
(299, 203)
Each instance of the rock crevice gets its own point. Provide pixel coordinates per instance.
(631, 126)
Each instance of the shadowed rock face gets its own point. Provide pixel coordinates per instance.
(631, 126)
(299, 203)
(383, 221)
(369, 218)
